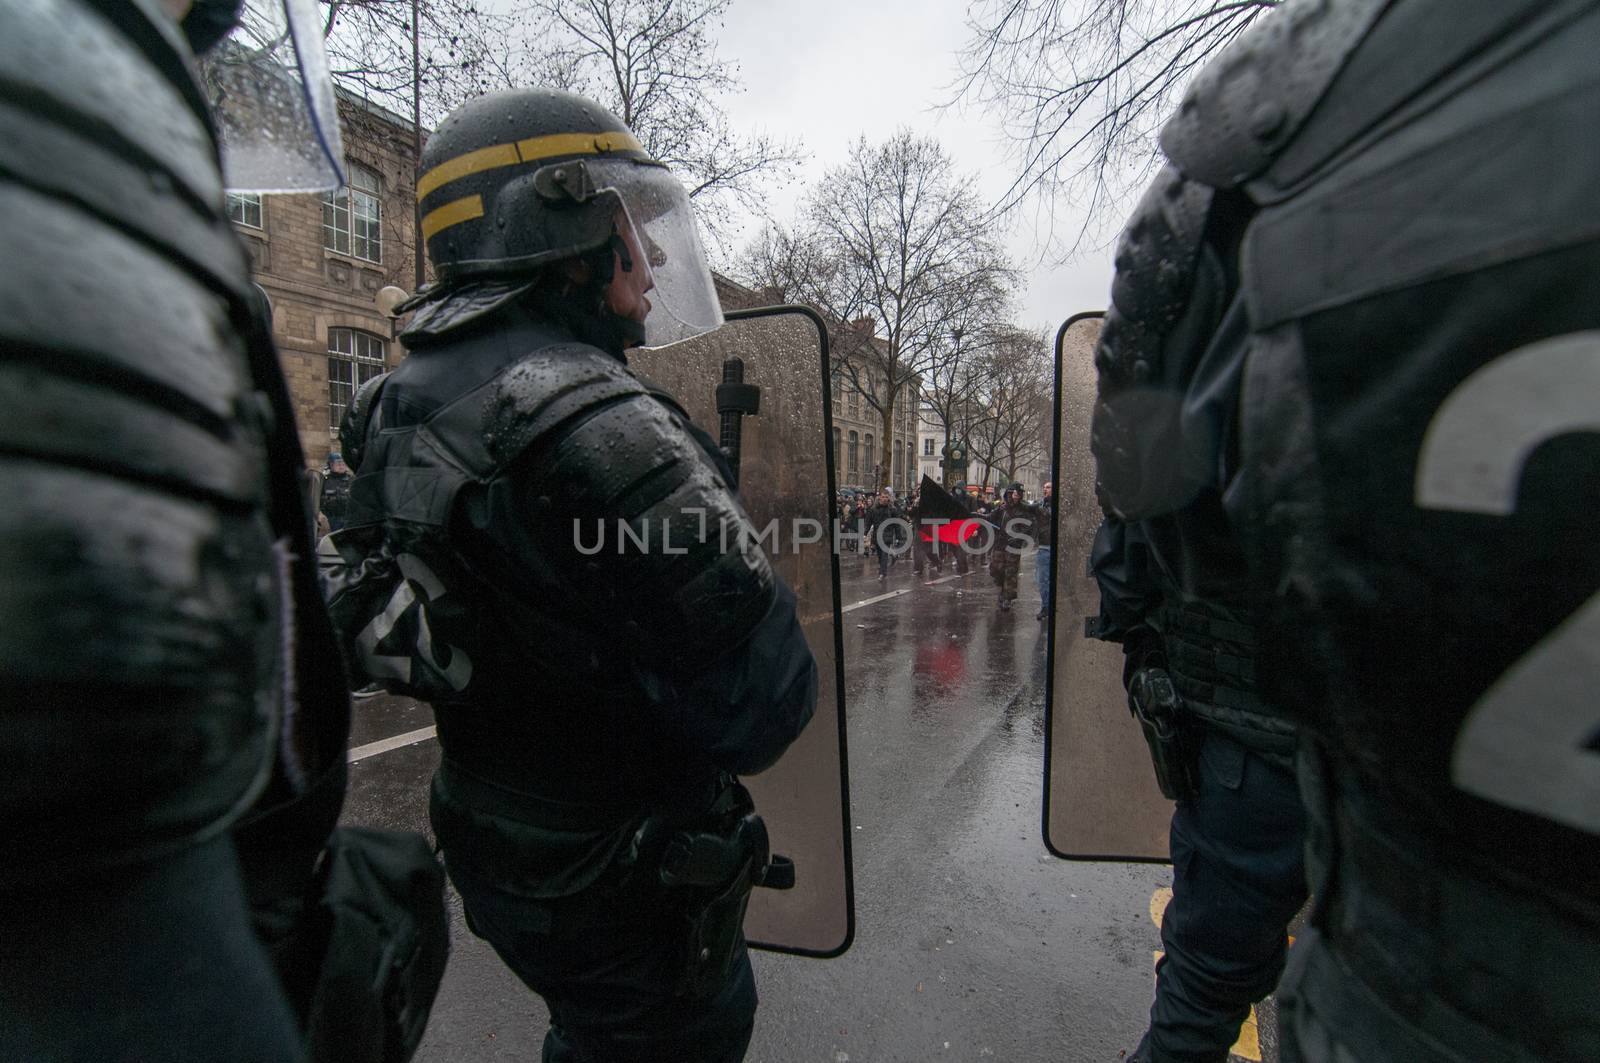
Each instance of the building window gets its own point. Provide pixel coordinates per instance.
(866, 463)
(896, 476)
(855, 465)
(855, 401)
(354, 357)
(352, 217)
(245, 208)
(838, 453)
(927, 447)
(911, 464)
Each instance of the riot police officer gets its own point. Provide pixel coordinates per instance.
(335, 496)
(1172, 580)
(1405, 281)
(158, 610)
(591, 705)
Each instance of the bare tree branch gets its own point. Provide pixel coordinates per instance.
(655, 63)
(893, 246)
(1081, 88)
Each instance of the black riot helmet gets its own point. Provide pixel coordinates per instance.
(513, 182)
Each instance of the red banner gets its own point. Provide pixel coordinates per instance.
(954, 533)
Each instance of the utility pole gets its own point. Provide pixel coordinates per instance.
(416, 142)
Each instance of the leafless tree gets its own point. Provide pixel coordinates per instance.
(787, 265)
(655, 63)
(959, 365)
(1082, 88)
(461, 51)
(889, 245)
(1010, 433)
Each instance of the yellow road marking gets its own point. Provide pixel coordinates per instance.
(1158, 904)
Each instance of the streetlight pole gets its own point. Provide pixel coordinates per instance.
(950, 409)
(416, 142)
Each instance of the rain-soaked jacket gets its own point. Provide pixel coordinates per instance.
(581, 680)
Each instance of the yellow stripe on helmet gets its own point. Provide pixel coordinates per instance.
(455, 213)
(465, 165)
(531, 150)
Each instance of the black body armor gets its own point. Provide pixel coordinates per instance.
(544, 534)
(157, 625)
(1418, 433)
(1166, 452)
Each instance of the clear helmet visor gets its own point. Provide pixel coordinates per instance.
(683, 300)
(272, 96)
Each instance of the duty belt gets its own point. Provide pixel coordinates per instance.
(539, 810)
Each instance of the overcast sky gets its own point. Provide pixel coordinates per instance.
(828, 71)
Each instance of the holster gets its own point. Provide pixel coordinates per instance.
(1174, 752)
(710, 867)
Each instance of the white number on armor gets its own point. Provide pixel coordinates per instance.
(1524, 743)
(382, 666)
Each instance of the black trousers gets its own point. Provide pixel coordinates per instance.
(150, 963)
(605, 963)
(1238, 878)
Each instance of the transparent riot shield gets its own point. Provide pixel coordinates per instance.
(1101, 801)
(760, 385)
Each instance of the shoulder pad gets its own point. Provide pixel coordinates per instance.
(662, 394)
(130, 143)
(357, 419)
(700, 581)
(548, 387)
(1248, 102)
(1155, 263)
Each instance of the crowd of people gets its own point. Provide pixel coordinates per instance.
(970, 529)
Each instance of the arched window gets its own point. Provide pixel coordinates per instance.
(855, 465)
(354, 357)
(867, 465)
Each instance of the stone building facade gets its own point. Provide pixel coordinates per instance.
(857, 427)
(322, 260)
(981, 479)
(859, 453)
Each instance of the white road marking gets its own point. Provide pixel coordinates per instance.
(895, 594)
(874, 601)
(372, 749)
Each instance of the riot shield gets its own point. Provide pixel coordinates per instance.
(760, 383)
(1101, 801)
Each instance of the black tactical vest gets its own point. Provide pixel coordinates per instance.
(1420, 431)
(445, 586)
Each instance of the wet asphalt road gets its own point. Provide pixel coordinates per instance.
(971, 942)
